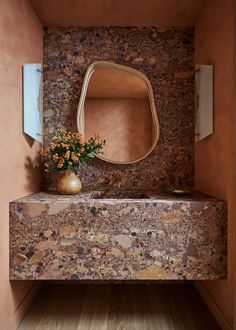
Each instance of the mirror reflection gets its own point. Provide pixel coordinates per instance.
(118, 103)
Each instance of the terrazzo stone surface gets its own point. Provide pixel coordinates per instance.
(165, 55)
(115, 236)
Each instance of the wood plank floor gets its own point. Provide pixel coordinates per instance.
(118, 306)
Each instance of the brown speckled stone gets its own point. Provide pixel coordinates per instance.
(166, 57)
(95, 237)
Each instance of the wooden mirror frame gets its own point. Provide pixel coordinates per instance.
(80, 111)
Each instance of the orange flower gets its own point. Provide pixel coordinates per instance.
(74, 157)
(67, 154)
(98, 136)
(78, 136)
(52, 146)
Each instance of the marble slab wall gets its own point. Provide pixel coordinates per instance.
(165, 55)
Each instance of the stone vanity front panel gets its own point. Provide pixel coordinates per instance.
(79, 237)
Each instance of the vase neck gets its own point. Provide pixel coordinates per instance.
(69, 172)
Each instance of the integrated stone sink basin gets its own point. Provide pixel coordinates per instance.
(139, 195)
(120, 195)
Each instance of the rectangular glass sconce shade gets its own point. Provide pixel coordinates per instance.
(204, 101)
(32, 76)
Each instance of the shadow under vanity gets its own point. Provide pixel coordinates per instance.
(126, 227)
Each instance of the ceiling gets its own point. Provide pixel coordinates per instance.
(118, 12)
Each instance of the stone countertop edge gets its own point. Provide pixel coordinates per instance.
(86, 196)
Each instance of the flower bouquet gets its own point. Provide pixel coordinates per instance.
(66, 152)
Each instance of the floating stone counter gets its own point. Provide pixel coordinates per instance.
(92, 237)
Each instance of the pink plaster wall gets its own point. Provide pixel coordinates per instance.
(214, 155)
(21, 36)
(125, 123)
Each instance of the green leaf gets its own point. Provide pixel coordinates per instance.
(91, 155)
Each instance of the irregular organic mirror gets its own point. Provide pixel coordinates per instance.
(118, 102)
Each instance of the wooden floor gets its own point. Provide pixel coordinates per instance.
(118, 306)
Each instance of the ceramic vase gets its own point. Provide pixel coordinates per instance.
(69, 183)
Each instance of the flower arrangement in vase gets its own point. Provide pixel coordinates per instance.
(66, 152)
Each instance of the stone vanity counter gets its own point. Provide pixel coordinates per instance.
(91, 237)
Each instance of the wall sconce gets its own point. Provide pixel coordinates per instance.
(32, 81)
(203, 101)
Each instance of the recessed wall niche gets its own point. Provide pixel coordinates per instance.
(165, 56)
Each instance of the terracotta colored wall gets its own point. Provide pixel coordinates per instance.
(214, 155)
(20, 42)
(125, 123)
